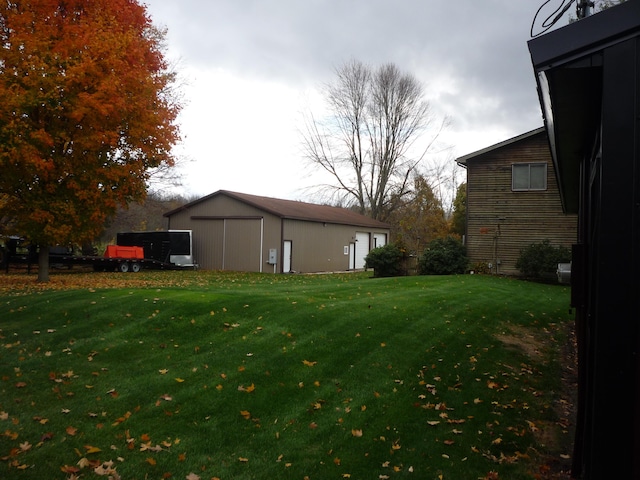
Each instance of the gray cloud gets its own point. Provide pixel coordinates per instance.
(472, 56)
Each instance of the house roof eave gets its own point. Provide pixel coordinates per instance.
(462, 161)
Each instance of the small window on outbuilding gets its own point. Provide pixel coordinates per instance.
(528, 176)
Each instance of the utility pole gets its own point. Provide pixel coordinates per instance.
(584, 8)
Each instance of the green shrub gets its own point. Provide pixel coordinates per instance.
(540, 260)
(443, 256)
(386, 261)
(481, 268)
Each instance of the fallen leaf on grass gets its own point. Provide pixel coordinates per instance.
(245, 414)
(192, 476)
(148, 447)
(356, 432)
(71, 430)
(69, 469)
(309, 364)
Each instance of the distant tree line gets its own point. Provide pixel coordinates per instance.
(144, 216)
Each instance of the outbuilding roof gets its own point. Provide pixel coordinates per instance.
(294, 210)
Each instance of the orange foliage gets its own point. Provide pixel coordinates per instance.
(86, 109)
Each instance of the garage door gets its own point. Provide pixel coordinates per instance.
(361, 249)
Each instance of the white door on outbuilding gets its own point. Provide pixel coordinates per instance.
(286, 256)
(361, 249)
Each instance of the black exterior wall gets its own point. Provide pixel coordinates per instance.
(588, 76)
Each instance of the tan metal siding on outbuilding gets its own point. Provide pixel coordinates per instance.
(318, 247)
(242, 246)
(208, 237)
(501, 222)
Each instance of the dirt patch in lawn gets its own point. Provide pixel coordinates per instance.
(554, 438)
(523, 339)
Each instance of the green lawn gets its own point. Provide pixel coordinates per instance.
(249, 376)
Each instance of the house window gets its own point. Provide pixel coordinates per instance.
(528, 176)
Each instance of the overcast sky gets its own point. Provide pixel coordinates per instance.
(249, 68)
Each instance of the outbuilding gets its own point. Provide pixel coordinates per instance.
(241, 232)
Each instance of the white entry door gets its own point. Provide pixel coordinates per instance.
(286, 256)
(352, 256)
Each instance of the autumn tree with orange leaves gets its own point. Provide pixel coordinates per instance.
(87, 112)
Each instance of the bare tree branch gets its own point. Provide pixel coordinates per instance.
(367, 142)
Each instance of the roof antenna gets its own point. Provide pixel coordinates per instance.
(584, 8)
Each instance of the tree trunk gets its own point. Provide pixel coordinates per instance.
(43, 263)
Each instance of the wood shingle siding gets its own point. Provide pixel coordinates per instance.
(500, 221)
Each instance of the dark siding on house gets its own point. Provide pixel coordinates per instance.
(500, 221)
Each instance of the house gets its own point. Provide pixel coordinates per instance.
(512, 202)
(241, 232)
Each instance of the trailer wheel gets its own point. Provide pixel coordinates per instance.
(135, 267)
(124, 267)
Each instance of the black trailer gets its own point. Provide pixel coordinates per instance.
(172, 247)
(163, 250)
(111, 264)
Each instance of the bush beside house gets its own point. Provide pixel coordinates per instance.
(443, 256)
(540, 260)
